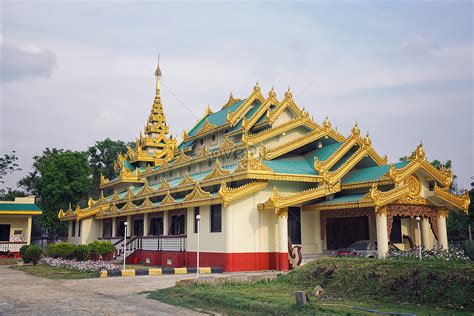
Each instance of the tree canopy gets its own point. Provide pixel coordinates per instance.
(59, 177)
(102, 157)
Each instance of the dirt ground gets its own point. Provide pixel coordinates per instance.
(23, 294)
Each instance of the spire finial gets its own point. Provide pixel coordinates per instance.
(158, 70)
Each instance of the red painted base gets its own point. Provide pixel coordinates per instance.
(230, 262)
(16, 255)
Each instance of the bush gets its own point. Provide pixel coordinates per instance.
(23, 251)
(33, 254)
(453, 253)
(81, 252)
(61, 250)
(99, 249)
(468, 247)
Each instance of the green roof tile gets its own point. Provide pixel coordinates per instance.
(218, 118)
(369, 174)
(342, 199)
(18, 207)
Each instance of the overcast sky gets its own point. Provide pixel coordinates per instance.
(73, 73)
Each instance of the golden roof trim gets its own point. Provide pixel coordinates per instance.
(234, 117)
(186, 180)
(217, 172)
(168, 199)
(230, 101)
(197, 194)
(462, 202)
(229, 194)
(418, 160)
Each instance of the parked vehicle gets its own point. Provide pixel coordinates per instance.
(362, 248)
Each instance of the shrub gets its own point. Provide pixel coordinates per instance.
(468, 247)
(33, 254)
(61, 250)
(81, 252)
(453, 253)
(99, 249)
(23, 251)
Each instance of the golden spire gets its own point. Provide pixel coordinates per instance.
(154, 143)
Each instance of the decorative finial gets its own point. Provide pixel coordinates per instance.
(158, 70)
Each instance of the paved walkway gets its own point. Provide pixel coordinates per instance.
(23, 294)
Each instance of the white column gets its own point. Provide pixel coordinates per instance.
(101, 233)
(283, 239)
(425, 233)
(146, 224)
(165, 223)
(130, 226)
(442, 232)
(114, 226)
(69, 230)
(317, 232)
(381, 227)
(28, 231)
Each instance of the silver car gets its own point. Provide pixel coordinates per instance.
(362, 248)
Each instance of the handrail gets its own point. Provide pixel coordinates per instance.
(12, 242)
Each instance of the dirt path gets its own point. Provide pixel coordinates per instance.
(23, 294)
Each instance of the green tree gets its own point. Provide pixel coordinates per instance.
(10, 194)
(8, 164)
(102, 157)
(59, 177)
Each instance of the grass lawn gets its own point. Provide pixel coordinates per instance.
(46, 271)
(9, 261)
(399, 286)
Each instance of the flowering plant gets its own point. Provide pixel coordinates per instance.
(453, 253)
(89, 265)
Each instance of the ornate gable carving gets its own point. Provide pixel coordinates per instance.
(168, 199)
(197, 194)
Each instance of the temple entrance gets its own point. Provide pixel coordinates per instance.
(342, 232)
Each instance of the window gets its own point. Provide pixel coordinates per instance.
(171, 174)
(213, 137)
(156, 226)
(396, 233)
(5, 232)
(138, 227)
(216, 218)
(155, 177)
(209, 163)
(189, 168)
(177, 226)
(201, 141)
(79, 229)
(294, 224)
(196, 213)
(73, 223)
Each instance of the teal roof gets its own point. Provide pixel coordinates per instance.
(369, 174)
(184, 145)
(297, 165)
(248, 115)
(342, 199)
(322, 153)
(18, 207)
(218, 118)
(302, 164)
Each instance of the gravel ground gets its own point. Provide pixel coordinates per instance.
(23, 294)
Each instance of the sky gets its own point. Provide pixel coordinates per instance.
(77, 72)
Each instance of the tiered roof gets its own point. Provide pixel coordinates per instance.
(336, 170)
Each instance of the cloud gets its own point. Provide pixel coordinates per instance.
(21, 62)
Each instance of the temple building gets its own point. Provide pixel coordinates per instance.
(15, 224)
(261, 173)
